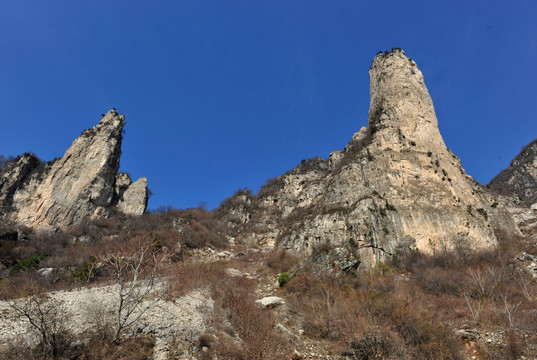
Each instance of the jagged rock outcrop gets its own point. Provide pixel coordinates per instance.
(520, 178)
(133, 201)
(395, 185)
(84, 182)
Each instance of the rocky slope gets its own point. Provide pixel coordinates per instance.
(84, 310)
(84, 182)
(396, 185)
(520, 178)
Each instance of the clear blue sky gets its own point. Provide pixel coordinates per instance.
(221, 95)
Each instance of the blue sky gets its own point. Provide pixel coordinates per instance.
(222, 95)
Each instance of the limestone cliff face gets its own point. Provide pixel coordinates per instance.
(520, 178)
(396, 185)
(84, 182)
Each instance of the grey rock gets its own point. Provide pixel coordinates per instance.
(233, 272)
(45, 272)
(530, 263)
(134, 198)
(123, 181)
(338, 258)
(467, 334)
(224, 254)
(77, 344)
(270, 302)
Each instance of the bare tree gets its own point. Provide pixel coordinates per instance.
(47, 318)
(524, 284)
(137, 269)
(476, 309)
(509, 310)
(486, 281)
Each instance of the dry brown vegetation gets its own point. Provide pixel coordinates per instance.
(411, 307)
(240, 329)
(408, 308)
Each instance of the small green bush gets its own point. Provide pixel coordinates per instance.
(284, 278)
(28, 263)
(86, 271)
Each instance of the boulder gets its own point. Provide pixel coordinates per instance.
(270, 302)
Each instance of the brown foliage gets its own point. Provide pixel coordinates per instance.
(281, 260)
(236, 313)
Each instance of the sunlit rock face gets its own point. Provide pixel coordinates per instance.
(80, 184)
(395, 185)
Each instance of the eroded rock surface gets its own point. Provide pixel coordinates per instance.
(395, 185)
(84, 182)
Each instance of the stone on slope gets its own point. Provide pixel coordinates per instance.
(270, 302)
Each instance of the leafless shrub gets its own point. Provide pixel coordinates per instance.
(475, 306)
(137, 268)
(513, 348)
(101, 322)
(509, 310)
(525, 284)
(46, 318)
(437, 280)
(376, 345)
(485, 281)
(137, 348)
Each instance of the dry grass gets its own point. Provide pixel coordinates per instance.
(403, 310)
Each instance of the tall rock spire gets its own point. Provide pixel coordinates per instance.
(82, 183)
(401, 108)
(395, 186)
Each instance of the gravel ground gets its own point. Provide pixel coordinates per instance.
(185, 316)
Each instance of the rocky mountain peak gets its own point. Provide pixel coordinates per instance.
(81, 183)
(395, 185)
